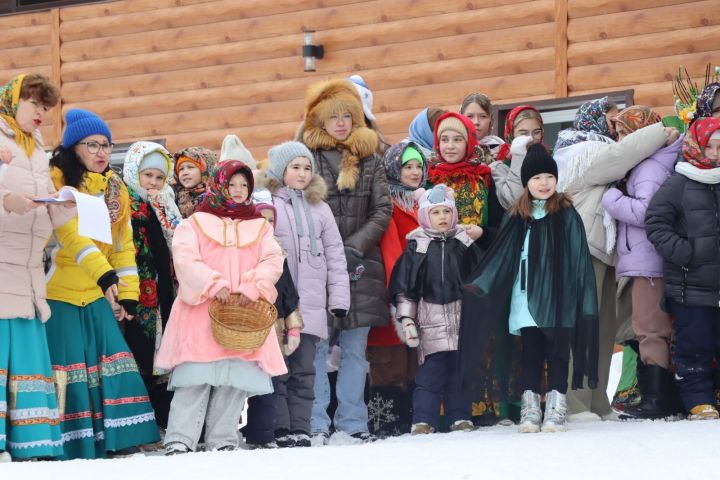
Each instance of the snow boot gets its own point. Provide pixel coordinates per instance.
(5, 457)
(654, 382)
(703, 412)
(421, 428)
(530, 412)
(462, 426)
(555, 412)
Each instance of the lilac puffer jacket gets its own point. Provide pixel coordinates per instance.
(637, 257)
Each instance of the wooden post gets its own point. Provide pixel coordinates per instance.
(561, 48)
(55, 74)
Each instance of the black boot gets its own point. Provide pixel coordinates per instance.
(654, 383)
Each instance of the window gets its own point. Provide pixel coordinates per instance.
(18, 6)
(559, 113)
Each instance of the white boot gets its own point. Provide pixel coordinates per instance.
(555, 412)
(5, 457)
(530, 412)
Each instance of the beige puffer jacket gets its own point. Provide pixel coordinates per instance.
(23, 237)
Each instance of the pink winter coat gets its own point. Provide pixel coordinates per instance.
(210, 253)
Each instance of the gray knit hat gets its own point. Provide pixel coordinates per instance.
(281, 155)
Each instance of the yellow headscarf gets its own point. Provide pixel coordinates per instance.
(9, 100)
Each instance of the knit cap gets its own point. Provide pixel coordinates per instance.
(411, 153)
(454, 124)
(538, 160)
(234, 149)
(438, 196)
(81, 123)
(366, 95)
(154, 160)
(281, 155)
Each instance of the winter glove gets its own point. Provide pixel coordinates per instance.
(130, 306)
(354, 260)
(520, 145)
(293, 341)
(407, 331)
(339, 312)
(108, 280)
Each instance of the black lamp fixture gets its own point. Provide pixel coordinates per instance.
(311, 51)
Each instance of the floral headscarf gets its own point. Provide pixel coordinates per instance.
(634, 118)
(401, 194)
(9, 100)
(696, 139)
(504, 152)
(189, 198)
(705, 100)
(217, 200)
(590, 125)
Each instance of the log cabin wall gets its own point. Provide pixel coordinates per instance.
(192, 71)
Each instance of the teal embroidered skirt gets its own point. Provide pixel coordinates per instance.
(102, 399)
(29, 418)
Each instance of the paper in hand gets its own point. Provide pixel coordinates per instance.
(93, 215)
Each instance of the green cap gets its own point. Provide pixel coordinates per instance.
(411, 153)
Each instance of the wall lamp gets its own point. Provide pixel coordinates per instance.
(311, 51)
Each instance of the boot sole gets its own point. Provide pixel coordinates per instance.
(553, 428)
(532, 428)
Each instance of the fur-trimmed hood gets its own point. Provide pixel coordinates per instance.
(321, 101)
(314, 193)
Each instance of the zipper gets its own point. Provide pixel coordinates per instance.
(32, 235)
(442, 261)
(717, 222)
(523, 262)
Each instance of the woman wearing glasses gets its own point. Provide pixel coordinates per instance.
(105, 409)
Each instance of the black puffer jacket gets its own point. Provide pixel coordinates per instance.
(683, 222)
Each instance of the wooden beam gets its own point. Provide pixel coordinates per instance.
(561, 46)
(55, 63)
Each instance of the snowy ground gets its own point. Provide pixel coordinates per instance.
(602, 450)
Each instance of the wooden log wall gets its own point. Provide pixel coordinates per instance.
(192, 71)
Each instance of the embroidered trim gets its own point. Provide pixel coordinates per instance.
(3, 407)
(126, 400)
(36, 444)
(119, 366)
(32, 383)
(29, 413)
(77, 435)
(128, 421)
(76, 416)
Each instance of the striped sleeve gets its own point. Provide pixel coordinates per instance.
(86, 254)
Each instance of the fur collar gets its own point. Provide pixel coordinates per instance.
(314, 193)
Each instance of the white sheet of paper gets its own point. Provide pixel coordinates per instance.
(93, 215)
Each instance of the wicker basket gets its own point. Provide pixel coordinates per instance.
(241, 324)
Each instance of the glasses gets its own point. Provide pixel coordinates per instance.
(94, 147)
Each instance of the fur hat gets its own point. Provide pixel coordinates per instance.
(439, 196)
(537, 161)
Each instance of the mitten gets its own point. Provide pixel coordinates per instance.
(520, 144)
(353, 257)
(407, 332)
(339, 312)
(293, 341)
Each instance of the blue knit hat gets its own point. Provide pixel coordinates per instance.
(81, 123)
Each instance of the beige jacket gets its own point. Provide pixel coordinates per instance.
(23, 237)
(585, 171)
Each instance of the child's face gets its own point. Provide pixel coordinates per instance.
(542, 186)
(411, 174)
(238, 188)
(441, 218)
(480, 118)
(452, 146)
(30, 114)
(152, 180)
(298, 173)
(531, 127)
(339, 125)
(269, 216)
(189, 175)
(712, 150)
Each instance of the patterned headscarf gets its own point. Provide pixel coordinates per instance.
(634, 118)
(217, 199)
(401, 194)
(705, 100)
(189, 198)
(504, 152)
(696, 139)
(9, 100)
(590, 125)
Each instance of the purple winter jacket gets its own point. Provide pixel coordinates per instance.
(637, 257)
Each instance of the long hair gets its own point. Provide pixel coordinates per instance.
(523, 205)
(69, 164)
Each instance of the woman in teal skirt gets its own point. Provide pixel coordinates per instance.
(104, 406)
(29, 417)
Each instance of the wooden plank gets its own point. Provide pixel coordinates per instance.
(338, 39)
(588, 8)
(24, 20)
(700, 39)
(376, 11)
(122, 7)
(25, 36)
(25, 57)
(657, 94)
(561, 45)
(651, 20)
(56, 113)
(7, 74)
(637, 72)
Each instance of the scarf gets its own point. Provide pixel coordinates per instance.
(503, 153)
(696, 139)
(189, 198)
(217, 201)
(420, 130)
(590, 125)
(401, 194)
(708, 176)
(9, 100)
(704, 101)
(634, 118)
(300, 206)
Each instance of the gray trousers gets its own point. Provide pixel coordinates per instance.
(218, 407)
(294, 391)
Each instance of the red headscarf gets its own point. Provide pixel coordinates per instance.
(504, 152)
(696, 139)
(467, 166)
(217, 200)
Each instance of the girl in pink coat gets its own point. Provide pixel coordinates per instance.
(225, 247)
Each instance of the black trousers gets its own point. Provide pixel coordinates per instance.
(536, 349)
